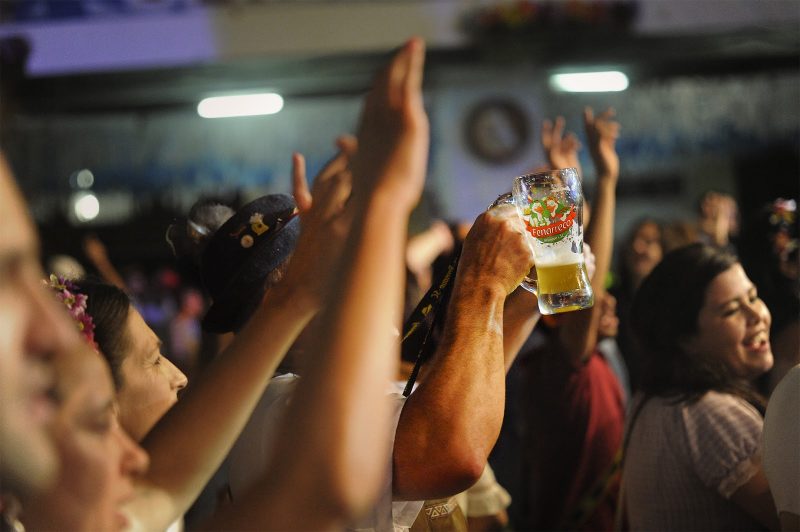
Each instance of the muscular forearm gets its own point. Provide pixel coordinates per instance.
(451, 422)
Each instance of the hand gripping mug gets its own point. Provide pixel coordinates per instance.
(550, 205)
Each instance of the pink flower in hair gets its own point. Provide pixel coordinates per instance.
(75, 302)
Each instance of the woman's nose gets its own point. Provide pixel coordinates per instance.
(178, 380)
(757, 311)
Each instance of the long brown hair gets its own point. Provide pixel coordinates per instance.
(665, 314)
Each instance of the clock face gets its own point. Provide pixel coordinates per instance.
(497, 130)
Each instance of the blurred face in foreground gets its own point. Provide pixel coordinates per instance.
(99, 461)
(34, 331)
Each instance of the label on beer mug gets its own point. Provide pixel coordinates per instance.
(549, 220)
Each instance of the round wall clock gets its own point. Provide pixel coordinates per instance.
(497, 130)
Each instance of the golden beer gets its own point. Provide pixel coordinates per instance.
(563, 287)
(560, 278)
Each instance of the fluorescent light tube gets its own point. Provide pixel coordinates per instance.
(611, 81)
(265, 103)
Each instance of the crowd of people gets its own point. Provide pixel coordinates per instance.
(670, 404)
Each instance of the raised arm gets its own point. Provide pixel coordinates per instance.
(339, 409)
(451, 422)
(204, 424)
(520, 316)
(96, 252)
(561, 151)
(578, 332)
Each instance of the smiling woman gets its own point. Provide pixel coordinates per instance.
(697, 424)
(147, 382)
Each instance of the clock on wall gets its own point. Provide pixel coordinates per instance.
(497, 130)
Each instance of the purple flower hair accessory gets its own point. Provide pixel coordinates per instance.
(75, 302)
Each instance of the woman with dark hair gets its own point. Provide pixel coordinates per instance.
(147, 382)
(769, 252)
(691, 444)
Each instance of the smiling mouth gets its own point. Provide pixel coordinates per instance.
(757, 341)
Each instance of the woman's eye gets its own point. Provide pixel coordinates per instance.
(730, 311)
(101, 425)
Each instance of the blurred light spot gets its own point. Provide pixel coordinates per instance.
(86, 207)
(84, 178)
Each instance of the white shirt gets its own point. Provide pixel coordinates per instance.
(685, 460)
(782, 443)
(249, 455)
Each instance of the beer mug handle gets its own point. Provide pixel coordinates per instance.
(527, 283)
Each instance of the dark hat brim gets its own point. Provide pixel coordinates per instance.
(246, 288)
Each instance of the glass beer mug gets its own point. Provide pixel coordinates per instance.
(550, 205)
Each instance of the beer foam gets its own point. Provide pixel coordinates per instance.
(560, 259)
(554, 254)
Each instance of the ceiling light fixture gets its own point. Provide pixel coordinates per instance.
(609, 81)
(264, 103)
(86, 207)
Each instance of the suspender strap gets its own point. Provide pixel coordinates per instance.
(419, 326)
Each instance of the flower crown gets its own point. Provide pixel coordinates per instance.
(75, 302)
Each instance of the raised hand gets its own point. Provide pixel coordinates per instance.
(96, 252)
(602, 132)
(495, 252)
(393, 134)
(324, 220)
(94, 249)
(561, 151)
(348, 146)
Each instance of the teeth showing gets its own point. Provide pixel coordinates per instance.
(757, 340)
